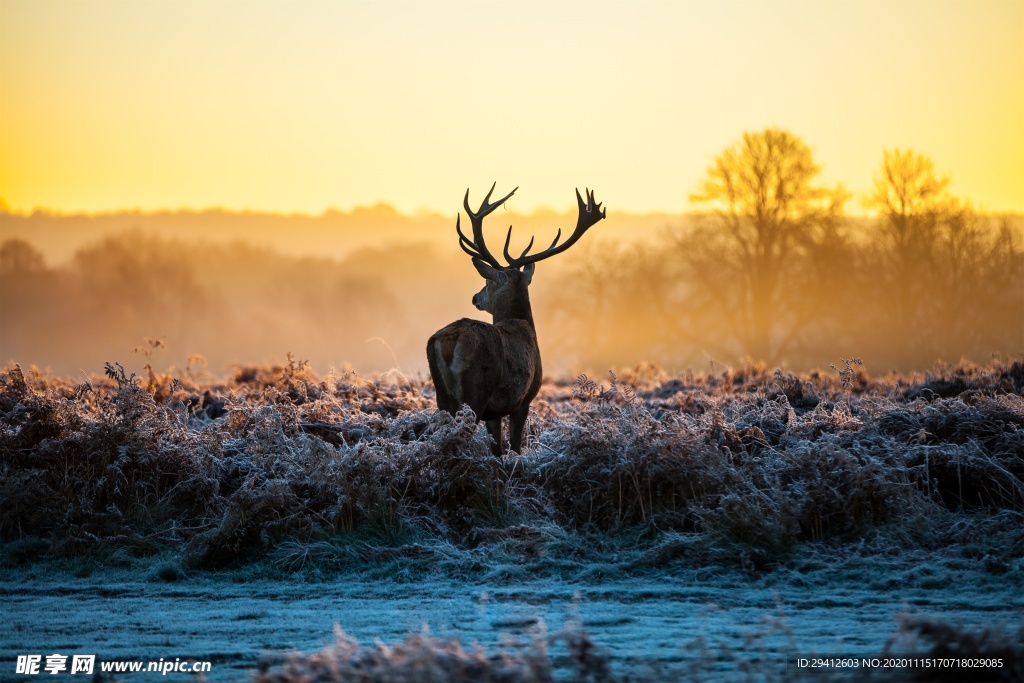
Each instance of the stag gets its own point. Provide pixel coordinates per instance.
(495, 368)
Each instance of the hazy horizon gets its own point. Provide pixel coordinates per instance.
(381, 207)
(366, 289)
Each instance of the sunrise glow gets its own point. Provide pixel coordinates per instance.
(299, 107)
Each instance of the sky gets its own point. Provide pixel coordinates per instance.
(307, 106)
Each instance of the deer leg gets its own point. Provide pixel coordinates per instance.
(494, 429)
(516, 423)
(445, 400)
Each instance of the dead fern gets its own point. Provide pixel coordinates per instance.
(229, 471)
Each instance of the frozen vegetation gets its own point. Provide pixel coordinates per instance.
(686, 527)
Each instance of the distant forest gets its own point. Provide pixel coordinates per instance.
(771, 269)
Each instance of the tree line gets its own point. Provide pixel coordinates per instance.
(773, 267)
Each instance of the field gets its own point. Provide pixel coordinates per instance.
(686, 527)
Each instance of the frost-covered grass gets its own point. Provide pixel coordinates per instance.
(846, 497)
(420, 657)
(705, 624)
(644, 474)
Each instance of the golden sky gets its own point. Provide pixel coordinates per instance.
(302, 106)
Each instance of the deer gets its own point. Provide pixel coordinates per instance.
(495, 368)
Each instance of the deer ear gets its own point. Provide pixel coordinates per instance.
(486, 271)
(528, 272)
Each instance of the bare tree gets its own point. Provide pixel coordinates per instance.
(945, 280)
(747, 263)
(19, 259)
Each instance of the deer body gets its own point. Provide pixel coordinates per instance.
(495, 368)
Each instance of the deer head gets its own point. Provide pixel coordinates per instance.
(505, 293)
(503, 287)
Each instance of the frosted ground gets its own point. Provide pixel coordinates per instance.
(655, 527)
(712, 622)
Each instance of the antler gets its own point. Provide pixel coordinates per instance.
(476, 247)
(590, 213)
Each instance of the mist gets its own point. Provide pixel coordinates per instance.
(215, 291)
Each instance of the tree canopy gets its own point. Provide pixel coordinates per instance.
(769, 217)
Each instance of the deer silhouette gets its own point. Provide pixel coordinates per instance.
(495, 368)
